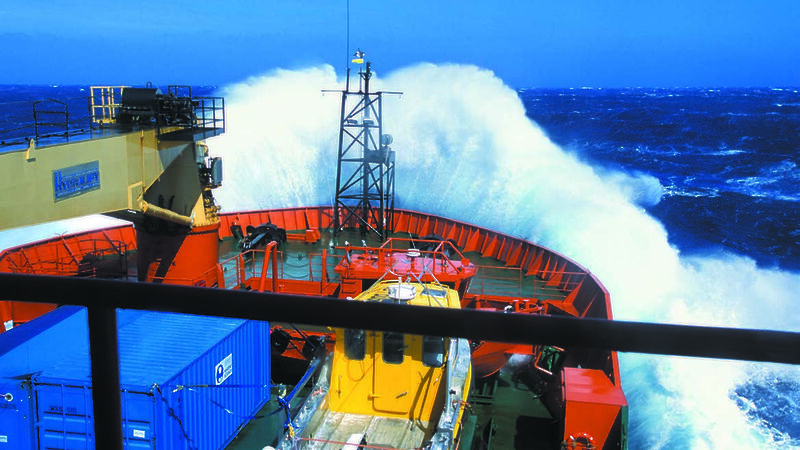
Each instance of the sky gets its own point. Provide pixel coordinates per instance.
(529, 44)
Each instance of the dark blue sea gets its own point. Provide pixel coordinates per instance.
(727, 158)
(714, 170)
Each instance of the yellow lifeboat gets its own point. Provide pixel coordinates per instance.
(385, 389)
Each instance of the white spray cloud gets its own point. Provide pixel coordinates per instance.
(279, 148)
(466, 149)
(639, 188)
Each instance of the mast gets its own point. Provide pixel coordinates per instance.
(365, 162)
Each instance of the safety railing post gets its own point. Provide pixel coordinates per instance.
(324, 274)
(273, 248)
(103, 350)
(240, 269)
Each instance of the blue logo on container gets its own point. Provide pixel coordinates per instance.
(71, 181)
(223, 370)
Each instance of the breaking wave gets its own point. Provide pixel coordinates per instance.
(466, 150)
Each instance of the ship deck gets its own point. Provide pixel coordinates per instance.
(300, 261)
(333, 428)
(507, 410)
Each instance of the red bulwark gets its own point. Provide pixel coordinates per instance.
(592, 405)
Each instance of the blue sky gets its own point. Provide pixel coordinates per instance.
(527, 43)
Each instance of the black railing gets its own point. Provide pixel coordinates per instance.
(102, 297)
(56, 121)
(45, 121)
(210, 113)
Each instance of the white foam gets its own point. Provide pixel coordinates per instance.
(639, 188)
(279, 148)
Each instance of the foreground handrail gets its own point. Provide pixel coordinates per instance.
(102, 297)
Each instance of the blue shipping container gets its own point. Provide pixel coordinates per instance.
(188, 382)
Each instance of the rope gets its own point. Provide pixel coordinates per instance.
(302, 335)
(223, 407)
(248, 417)
(171, 412)
(179, 387)
(288, 424)
(466, 405)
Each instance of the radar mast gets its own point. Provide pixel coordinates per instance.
(365, 169)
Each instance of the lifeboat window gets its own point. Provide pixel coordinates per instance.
(393, 346)
(438, 293)
(433, 351)
(355, 344)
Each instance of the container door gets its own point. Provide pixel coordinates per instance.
(63, 416)
(138, 421)
(15, 418)
(392, 378)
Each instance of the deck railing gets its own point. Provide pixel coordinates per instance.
(513, 282)
(69, 258)
(246, 271)
(57, 121)
(103, 296)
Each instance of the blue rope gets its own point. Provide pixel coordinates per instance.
(287, 424)
(221, 406)
(171, 412)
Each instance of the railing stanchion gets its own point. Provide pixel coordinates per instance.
(105, 377)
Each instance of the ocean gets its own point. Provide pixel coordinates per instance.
(727, 159)
(684, 202)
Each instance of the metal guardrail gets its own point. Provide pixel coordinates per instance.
(512, 282)
(67, 261)
(43, 122)
(210, 113)
(102, 297)
(56, 121)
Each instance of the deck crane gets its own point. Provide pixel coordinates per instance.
(142, 158)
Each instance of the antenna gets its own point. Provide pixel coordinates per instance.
(347, 49)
